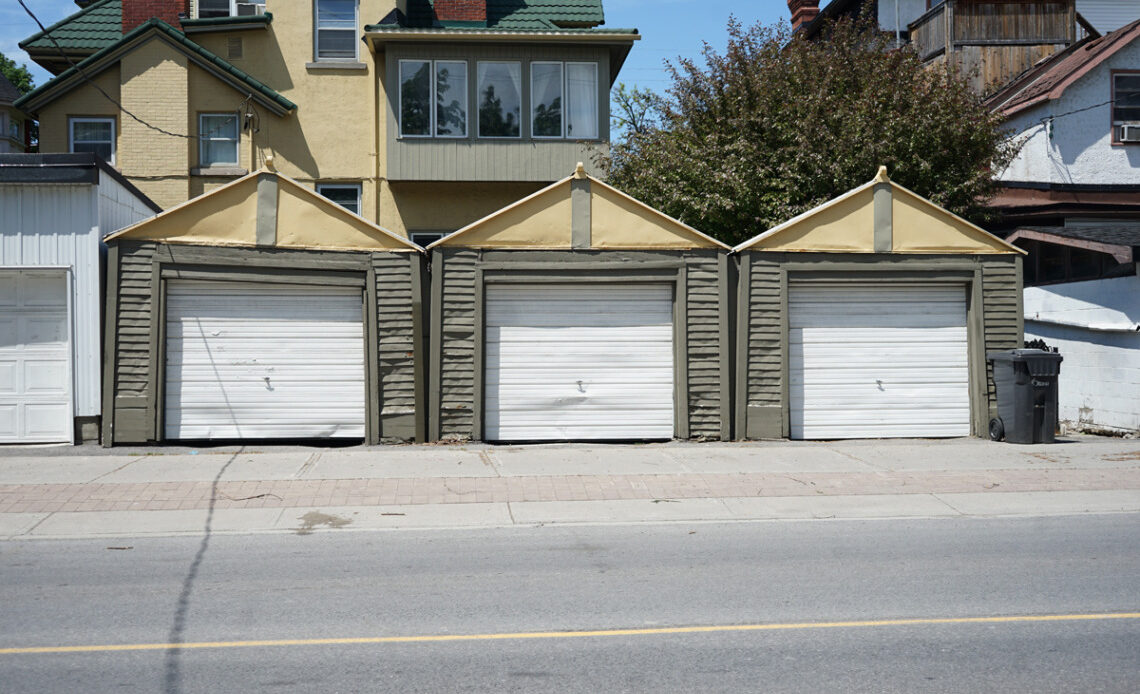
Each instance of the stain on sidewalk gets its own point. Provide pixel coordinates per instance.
(315, 519)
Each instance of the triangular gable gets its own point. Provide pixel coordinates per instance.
(878, 217)
(265, 209)
(579, 212)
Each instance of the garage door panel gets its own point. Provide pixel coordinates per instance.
(578, 362)
(878, 361)
(251, 360)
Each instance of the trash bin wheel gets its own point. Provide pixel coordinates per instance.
(997, 429)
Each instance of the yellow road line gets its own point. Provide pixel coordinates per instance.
(439, 638)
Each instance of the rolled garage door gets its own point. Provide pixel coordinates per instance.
(878, 361)
(578, 362)
(247, 360)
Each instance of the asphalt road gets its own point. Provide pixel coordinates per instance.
(729, 607)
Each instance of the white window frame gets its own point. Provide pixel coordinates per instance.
(1116, 124)
(204, 137)
(432, 237)
(90, 119)
(522, 101)
(355, 187)
(198, 10)
(317, 34)
(562, 98)
(432, 125)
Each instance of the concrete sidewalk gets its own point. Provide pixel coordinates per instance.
(69, 492)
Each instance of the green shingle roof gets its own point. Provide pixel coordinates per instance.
(180, 39)
(93, 28)
(534, 15)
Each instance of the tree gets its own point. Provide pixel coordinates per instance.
(778, 125)
(637, 110)
(18, 75)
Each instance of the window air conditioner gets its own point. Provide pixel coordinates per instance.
(250, 9)
(1130, 132)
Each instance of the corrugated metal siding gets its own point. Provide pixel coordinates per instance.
(457, 377)
(118, 207)
(58, 225)
(764, 342)
(481, 159)
(1108, 15)
(395, 334)
(703, 335)
(1000, 292)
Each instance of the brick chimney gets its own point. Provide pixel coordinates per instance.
(460, 10)
(803, 11)
(136, 12)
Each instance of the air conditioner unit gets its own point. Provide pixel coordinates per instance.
(1130, 132)
(250, 9)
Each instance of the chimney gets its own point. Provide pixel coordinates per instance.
(803, 11)
(136, 12)
(460, 11)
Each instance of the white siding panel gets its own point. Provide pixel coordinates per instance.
(58, 226)
(118, 207)
(35, 357)
(579, 362)
(878, 361)
(248, 360)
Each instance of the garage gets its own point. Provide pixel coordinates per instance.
(263, 311)
(247, 360)
(869, 317)
(35, 357)
(579, 314)
(579, 362)
(878, 361)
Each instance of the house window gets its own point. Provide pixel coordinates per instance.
(1126, 106)
(347, 195)
(14, 129)
(94, 135)
(214, 8)
(217, 139)
(423, 238)
(564, 100)
(500, 99)
(336, 29)
(433, 106)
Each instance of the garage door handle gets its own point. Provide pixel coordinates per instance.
(581, 388)
(267, 385)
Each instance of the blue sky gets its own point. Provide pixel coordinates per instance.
(669, 28)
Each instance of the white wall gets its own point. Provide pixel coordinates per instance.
(118, 207)
(1081, 149)
(57, 225)
(908, 11)
(1094, 325)
(1108, 15)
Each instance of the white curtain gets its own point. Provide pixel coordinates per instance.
(582, 98)
(546, 99)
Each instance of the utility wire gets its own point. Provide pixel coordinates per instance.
(108, 97)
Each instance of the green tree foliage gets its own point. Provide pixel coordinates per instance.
(636, 110)
(17, 74)
(778, 125)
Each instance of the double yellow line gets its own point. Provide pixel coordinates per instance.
(661, 631)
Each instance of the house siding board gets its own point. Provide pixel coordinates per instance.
(133, 360)
(1001, 313)
(395, 340)
(765, 344)
(479, 159)
(458, 334)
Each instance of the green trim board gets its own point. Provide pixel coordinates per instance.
(201, 25)
(150, 29)
(993, 284)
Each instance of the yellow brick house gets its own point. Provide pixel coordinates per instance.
(420, 115)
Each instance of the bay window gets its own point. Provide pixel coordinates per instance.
(500, 99)
(433, 98)
(564, 100)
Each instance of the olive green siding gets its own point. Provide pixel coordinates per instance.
(491, 159)
(458, 276)
(134, 375)
(762, 407)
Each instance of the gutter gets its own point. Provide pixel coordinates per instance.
(1095, 327)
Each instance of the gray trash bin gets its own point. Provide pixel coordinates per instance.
(1026, 381)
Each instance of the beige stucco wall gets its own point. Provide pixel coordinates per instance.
(445, 206)
(84, 100)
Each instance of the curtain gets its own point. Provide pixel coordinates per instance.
(582, 101)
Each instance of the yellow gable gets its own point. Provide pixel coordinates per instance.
(579, 212)
(265, 209)
(879, 217)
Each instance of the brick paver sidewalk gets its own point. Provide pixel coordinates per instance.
(155, 496)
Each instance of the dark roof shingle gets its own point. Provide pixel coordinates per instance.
(534, 15)
(93, 28)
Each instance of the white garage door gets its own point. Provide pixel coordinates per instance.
(250, 360)
(35, 357)
(579, 362)
(880, 361)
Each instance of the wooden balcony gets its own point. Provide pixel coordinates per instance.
(957, 23)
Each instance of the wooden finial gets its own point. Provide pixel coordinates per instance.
(580, 170)
(882, 177)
